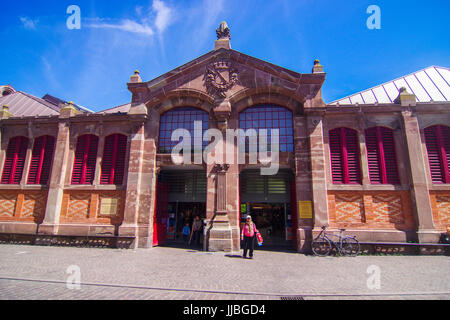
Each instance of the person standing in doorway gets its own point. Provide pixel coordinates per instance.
(248, 236)
(186, 233)
(197, 230)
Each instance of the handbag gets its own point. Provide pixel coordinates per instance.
(260, 239)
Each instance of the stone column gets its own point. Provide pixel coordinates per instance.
(129, 225)
(303, 190)
(319, 179)
(420, 194)
(57, 180)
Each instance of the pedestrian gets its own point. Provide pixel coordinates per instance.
(197, 230)
(186, 233)
(248, 236)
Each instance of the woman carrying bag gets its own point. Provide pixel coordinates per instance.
(248, 236)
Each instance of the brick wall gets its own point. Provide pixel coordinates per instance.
(440, 203)
(372, 210)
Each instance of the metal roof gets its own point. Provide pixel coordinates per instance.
(125, 108)
(23, 104)
(431, 84)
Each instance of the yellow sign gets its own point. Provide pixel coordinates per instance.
(305, 209)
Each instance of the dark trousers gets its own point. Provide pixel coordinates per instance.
(196, 237)
(249, 245)
(186, 240)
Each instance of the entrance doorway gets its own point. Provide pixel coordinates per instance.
(270, 200)
(180, 214)
(273, 220)
(180, 197)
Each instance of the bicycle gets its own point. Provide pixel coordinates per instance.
(347, 245)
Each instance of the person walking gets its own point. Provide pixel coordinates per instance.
(248, 236)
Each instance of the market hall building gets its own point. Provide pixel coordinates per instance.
(375, 163)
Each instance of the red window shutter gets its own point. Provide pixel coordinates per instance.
(120, 161)
(390, 156)
(372, 156)
(353, 156)
(437, 140)
(445, 131)
(337, 167)
(85, 160)
(41, 160)
(15, 160)
(434, 158)
(381, 156)
(113, 163)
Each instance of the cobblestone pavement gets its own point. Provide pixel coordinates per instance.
(28, 272)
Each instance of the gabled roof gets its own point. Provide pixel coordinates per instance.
(22, 104)
(56, 101)
(431, 84)
(119, 109)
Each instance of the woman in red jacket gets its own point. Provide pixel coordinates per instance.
(248, 235)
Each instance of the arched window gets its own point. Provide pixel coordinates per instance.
(41, 160)
(85, 160)
(270, 117)
(437, 140)
(381, 156)
(113, 162)
(180, 118)
(345, 156)
(15, 160)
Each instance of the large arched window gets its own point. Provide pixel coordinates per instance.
(15, 160)
(270, 117)
(41, 160)
(113, 162)
(345, 156)
(437, 140)
(85, 160)
(381, 156)
(180, 118)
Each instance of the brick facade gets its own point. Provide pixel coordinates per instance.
(416, 209)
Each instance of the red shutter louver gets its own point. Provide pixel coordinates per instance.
(345, 158)
(381, 156)
(85, 160)
(41, 160)
(113, 163)
(437, 140)
(353, 156)
(390, 156)
(15, 160)
(337, 167)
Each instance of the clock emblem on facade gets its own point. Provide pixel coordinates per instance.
(220, 77)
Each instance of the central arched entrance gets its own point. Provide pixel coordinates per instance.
(270, 200)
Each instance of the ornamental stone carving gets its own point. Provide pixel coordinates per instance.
(220, 77)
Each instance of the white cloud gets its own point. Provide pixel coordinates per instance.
(28, 23)
(163, 19)
(126, 25)
(163, 15)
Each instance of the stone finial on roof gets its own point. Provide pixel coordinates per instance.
(136, 77)
(405, 98)
(223, 37)
(4, 112)
(68, 110)
(223, 32)
(318, 68)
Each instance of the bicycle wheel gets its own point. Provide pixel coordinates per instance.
(350, 247)
(321, 247)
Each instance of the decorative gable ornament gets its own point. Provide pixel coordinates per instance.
(220, 77)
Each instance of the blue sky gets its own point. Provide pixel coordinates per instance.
(91, 66)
